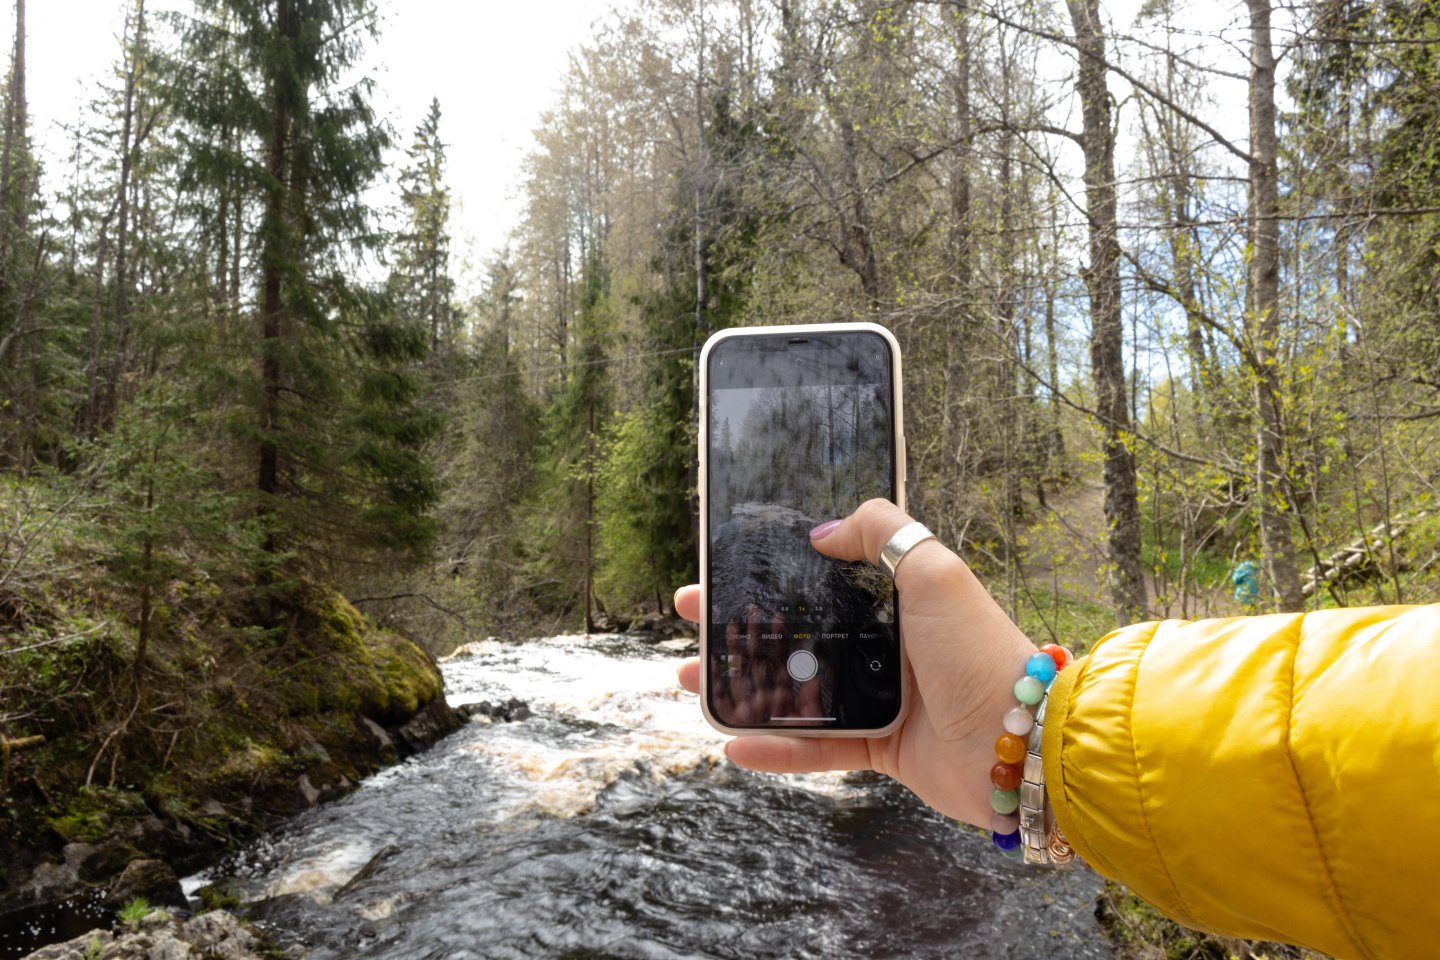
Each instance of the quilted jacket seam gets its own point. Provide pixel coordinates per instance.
(1139, 789)
(1344, 908)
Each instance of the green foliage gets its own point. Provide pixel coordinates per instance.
(330, 391)
(562, 509)
(164, 516)
(421, 280)
(134, 911)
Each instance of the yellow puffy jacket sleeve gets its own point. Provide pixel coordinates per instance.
(1273, 778)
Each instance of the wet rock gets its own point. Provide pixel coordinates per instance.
(219, 933)
(308, 790)
(377, 739)
(606, 622)
(282, 916)
(213, 936)
(686, 646)
(81, 948)
(151, 879)
(478, 648)
(51, 881)
(99, 864)
(431, 724)
(367, 871)
(510, 711)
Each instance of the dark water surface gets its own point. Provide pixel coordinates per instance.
(609, 826)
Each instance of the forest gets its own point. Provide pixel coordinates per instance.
(1164, 287)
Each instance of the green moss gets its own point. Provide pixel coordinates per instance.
(343, 665)
(218, 897)
(87, 814)
(253, 760)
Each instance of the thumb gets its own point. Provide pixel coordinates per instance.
(861, 535)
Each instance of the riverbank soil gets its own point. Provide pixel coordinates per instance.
(246, 706)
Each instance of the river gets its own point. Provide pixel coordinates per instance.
(610, 825)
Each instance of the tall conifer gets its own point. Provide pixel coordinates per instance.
(329, 398)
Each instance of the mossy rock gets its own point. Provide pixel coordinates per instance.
(215, 896)
(343, 665)
(88, 814)
(152, 880)
(111, 858)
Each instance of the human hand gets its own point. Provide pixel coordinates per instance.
(965, 656)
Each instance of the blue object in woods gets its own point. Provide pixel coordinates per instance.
(1246, 579)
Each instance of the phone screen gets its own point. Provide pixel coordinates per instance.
(799, 430)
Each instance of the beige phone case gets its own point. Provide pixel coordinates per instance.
(798, 330)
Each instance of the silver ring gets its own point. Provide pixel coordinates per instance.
(907, 538)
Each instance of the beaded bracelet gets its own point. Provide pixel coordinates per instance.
(1019, 823)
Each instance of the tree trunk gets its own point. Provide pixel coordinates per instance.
(1102, 280)
(97, 319)
(1055, 442)
(271, 305)
(958, 329)
(1265, 314)
(702, 292)
(122, 227)
(858, 243)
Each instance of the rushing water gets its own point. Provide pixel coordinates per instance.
(609, 825)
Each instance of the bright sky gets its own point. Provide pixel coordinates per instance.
(494, 66)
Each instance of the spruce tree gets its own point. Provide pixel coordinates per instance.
(422, 273)
(329, 399)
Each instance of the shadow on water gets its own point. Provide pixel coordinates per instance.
(29, 928)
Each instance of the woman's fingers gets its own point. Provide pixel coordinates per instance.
(687, 602)
(799, 754)
(861, 535)
(689, 674)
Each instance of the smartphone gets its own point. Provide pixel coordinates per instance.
(798, 425)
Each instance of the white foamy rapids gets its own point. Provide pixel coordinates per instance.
(644, 722)
(647, 723)
(604, 707)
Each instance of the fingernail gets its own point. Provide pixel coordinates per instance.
(824, 530)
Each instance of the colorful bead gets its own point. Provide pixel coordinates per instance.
(1041, 666)
(1006, 841)
(1059, 654)
(1004, 801)
(1019, 720)
(1004, 822)
(1005, 776)
(1010, 748)
(1029, 690)
(1015, 854)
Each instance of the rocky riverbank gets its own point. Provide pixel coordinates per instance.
(238, 727)
(216, 935)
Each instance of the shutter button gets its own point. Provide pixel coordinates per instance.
(802, 665)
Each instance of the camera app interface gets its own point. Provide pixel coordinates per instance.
(800, 430)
